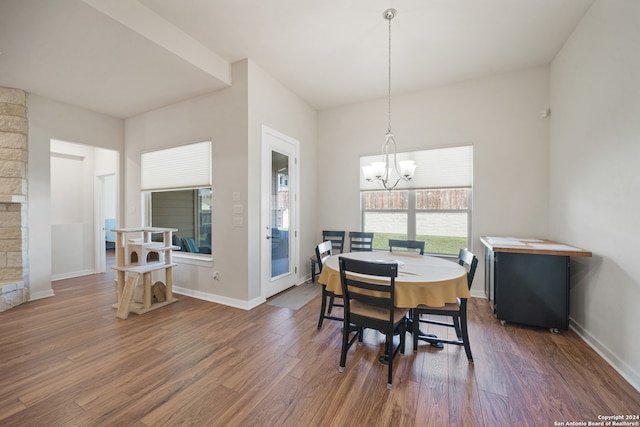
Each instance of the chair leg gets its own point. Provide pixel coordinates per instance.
(456, 326)
(415, 329)
(388, 346)
(390, 353)
(313, 270)
(331, 301)
(465, 335)
(403, 337)
(346, 343)
(323, 306)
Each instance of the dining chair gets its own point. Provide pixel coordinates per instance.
(360, 241)
(368, 303)
(323, 251)
(457, 311)
(337, 241)
(407, 244)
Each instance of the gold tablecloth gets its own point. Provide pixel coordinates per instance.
(421, 279)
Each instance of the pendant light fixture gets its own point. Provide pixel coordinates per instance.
(387, 173)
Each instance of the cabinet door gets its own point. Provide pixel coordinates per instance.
(532, 289)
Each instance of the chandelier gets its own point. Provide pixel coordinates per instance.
(387, 173)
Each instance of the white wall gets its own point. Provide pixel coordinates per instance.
(110, 196)
(72, 214)
(232, 118)
(499, 115)
(273, 105)
(595, 183)
(49, 120)
(221, 117)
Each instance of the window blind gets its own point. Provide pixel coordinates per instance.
(435, 168)
(186, 166)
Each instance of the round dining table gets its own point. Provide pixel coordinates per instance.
(422, 279)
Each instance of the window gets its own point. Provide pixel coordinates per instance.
(176, 184)
(435, 206)
(283, 182)
(187, 210)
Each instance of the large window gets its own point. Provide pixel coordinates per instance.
(176, 184)
(435, 206)
(187, 210)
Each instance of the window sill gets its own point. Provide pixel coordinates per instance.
(193, 259)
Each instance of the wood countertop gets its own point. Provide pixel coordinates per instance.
(531, 246)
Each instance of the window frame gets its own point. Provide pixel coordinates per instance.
(177, 168)
(148, 220)
(412, 211)
(438, 168)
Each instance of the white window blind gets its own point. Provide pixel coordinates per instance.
(186, 166)
(436, 168)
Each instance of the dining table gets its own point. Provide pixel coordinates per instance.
(422, 279)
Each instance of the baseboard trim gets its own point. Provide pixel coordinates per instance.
(478, 294)
(72, 275)
(231, 302)
(219, 299)
(33, 296)
(616, 363)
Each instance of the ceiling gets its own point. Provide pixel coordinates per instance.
(125, 57)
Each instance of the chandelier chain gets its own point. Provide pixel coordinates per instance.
(389, 88)
(389, 172)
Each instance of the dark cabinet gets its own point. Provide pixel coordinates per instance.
(527, 282)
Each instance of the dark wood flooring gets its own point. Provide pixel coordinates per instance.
(68, 361)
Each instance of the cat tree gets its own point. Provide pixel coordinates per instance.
(141, 257)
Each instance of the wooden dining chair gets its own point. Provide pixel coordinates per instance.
(323, 251)
(457, 311)
(360, 241)
(362, 310)
(337, 246)
(336, 238)
(417, 245)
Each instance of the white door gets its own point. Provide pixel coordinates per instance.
(279, 212)
(105, 217)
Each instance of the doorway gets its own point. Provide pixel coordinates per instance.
(279, 249)
(105, 215)
(79, 199)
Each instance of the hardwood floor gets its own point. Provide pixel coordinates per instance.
(68, 361)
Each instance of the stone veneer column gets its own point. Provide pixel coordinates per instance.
(14, 289)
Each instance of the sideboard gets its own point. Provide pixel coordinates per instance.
(527, 280)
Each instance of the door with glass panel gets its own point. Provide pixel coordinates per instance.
(279, 212)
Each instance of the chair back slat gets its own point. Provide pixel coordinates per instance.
(323, 251)
(407, 244)
(336, 238)
(470, 261)
(360, 241)
(358, 276)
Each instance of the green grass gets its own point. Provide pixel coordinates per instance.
(435, 244)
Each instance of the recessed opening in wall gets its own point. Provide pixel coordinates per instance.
(188, 211)
(84, 205)
(176, 185)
